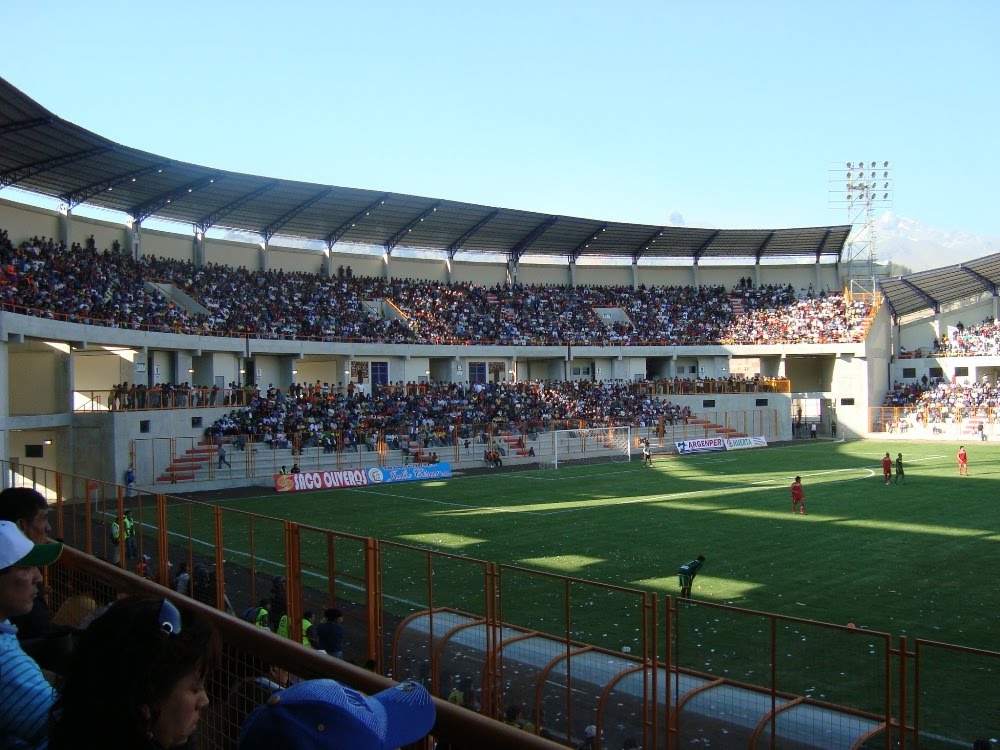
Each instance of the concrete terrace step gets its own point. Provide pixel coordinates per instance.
(192, 459)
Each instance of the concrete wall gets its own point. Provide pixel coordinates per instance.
(41, 385)
(22, 221)
(418, 268)
(229, 253)
(294, 260)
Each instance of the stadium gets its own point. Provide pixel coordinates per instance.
(302, 336)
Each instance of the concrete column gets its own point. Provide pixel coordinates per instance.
(447, 268)
(819, 278)
(894, 329)
(572, 275)
(326, 266)
(262, 257)
(635, 275)
(781, 366)
(133, 241)
(937, 325)
(756, 274)
(65, 226)
(386, 260)
(695, 276)
(198, 249)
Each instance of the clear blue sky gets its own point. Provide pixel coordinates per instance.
(729, 114)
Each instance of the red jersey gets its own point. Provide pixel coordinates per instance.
(887, 465)
(797, 494)
(962, 457)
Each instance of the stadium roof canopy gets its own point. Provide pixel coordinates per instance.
(929, 290)
(45, 154)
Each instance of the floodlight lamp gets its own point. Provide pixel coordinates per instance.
(886, 185)
(849, 175)
(885, 174)
(885, 164)
(873, 165)
(46, 442)
(850, 165)
(885, 196)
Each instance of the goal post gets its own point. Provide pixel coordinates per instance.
(592, 445)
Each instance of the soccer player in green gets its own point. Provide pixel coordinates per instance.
(686, 574)
(899, 468)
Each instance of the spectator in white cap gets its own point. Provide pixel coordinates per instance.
(323, 714)
(25, 696)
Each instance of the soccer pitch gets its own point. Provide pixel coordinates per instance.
(914, 559)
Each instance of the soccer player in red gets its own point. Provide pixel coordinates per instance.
(798, 496)
(886, 469)
(963, 461)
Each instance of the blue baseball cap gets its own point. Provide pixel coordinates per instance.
(323, 714)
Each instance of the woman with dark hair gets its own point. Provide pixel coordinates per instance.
(137, 679)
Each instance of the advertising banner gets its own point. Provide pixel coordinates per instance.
(345, 478)
(701, 445)
(707, 445)
(742, 443)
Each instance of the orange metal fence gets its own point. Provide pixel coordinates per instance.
(563, 653)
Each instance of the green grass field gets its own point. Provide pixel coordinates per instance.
(917, 559)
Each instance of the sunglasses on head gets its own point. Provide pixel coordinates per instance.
(170, 618)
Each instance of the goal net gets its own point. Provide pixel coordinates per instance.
(591, 445)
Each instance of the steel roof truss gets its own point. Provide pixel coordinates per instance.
(13, 127)
(398, 236)
(336, 234)
(645, 245)
(989, 285)
(759, 253)
(16, 175)
(933, 303)
(455, 246)
(822, 244)
(83, 194)
(143, 211)
(704, 246)
(515, 253)
(274, 227)
(576, 252)
(210, 220)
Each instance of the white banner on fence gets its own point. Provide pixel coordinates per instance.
(706, 445)
(742, 443)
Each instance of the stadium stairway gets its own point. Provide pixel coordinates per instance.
(718, 429)
(737, 304)
(510, 441)
(970, 426)
(192, 463)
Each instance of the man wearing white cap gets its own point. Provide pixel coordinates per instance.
(25, 696)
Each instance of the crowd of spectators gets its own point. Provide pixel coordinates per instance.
(436, 415)
(939, 401)
(81, 284)
(971, 341)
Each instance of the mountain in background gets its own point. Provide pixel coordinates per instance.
(907, 242)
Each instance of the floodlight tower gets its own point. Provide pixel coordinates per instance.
(862, 187)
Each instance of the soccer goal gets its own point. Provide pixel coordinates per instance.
(591, 445)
